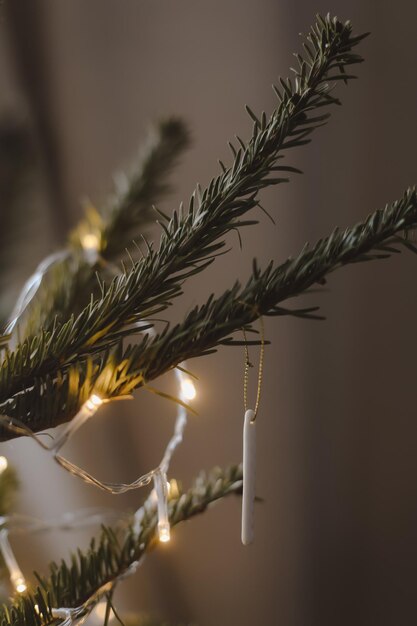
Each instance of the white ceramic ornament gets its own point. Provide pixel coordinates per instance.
(249, 477)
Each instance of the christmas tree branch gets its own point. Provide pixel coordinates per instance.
(210, 325)
(44, 402)
(131, 208)
(93, 573)
(103, 236)
(191, 240)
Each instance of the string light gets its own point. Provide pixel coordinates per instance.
(88, 409)
(90, 242)
(94, 402)
(91, 246)
(164, 532)
(154, 497)
(20, 585)
(160, 484)
(68, 521)
(3, 464)
(159, 475)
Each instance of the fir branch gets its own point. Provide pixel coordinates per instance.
(47, 401)
(128, 212)
(89, 573)
(190, 241)
(382, 234)
(131, 208)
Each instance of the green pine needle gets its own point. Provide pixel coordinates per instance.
(43, 401)
(189, 243)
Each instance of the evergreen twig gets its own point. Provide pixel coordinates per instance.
(89, 573)
(125, 216)
(190, 241)
(46, 379)
(47, 401)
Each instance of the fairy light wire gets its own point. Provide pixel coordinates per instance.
(161, 490)
(187, 392)
(71, 616)
(31, 287)
(90, 244)
(66, 522)
(88, 409)
(15, 573)
(68, 616)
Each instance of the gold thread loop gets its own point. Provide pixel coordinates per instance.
(248, 365)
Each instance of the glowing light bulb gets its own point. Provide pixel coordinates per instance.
(90, 241)
(188, 390)
(93, 402)
(20, 585)
(3, 464)
(161, 489)
(164, 532)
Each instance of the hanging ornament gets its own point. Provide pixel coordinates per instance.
(249, 446)
(249, 477)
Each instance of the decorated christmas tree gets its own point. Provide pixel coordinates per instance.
(88, 327)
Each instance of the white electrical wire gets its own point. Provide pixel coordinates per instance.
(83, 518)
(31, 286)
(21, 524)
(16, 576)
(68, 521)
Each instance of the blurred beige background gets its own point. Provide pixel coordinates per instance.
(336, 535)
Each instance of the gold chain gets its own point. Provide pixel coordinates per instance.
(248, 364)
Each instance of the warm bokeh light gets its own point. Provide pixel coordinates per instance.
(94, 402)
(164, 532)
(3, 464)
(20, 585)
(90, 241)
(188, 390)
